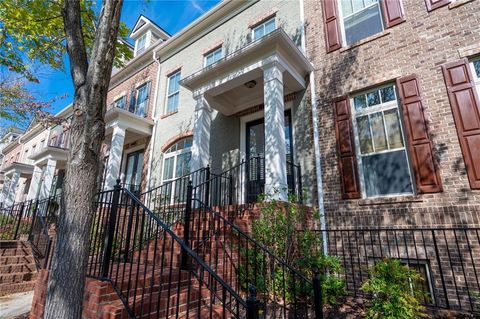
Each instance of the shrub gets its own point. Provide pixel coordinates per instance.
(393, 292)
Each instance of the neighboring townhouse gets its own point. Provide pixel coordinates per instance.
(396, 91)
(10, 135)
(231, 89)
(129, 118)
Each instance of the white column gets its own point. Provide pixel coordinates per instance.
(12, 189)
(48, 174)
(201, 134)
(115, 157)
(275, 150)
(35, 183)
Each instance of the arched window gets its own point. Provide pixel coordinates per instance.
(176, 162)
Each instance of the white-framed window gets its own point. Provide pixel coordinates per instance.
(141, 44)
(120, 102)
(379, 139)
(263, 28)
(176, 161)
(142, 95)
(173, 92)
(360, 19)
(475, 64)
(213, 56)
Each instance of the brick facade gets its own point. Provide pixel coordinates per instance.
(420, 45)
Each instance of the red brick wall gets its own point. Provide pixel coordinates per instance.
(418, 46)
(142, 75)
(100, 299)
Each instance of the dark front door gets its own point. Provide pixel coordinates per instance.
(133, 171)
(255, 161)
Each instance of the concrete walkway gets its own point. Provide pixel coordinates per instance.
(15, 305)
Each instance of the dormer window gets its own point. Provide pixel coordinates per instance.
(141, 44)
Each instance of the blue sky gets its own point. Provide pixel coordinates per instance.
(172, 16)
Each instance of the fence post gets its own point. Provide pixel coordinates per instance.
(230, 189)
(34, 207)
(20, 215)
(252, 303)
(109, 234)
(207, 185)
(317, 293)
(186, 227)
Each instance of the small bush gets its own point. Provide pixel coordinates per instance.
(393, 294)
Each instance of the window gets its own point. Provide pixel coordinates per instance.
(142, 100)
(176, 164)
(476, 73)
(173, 92)
(141, 44)
(360, 19)
(263, 28)
(120, 103)
(213, 56)
(384, 167)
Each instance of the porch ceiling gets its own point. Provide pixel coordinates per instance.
(25, 170)
(223, 83)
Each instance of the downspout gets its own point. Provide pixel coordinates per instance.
(316, 136)
(155, 122)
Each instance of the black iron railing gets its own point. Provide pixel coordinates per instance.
(152, 269)
(448, 259)
(236, 257)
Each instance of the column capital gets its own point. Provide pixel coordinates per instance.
(273, 71)
(202, 104)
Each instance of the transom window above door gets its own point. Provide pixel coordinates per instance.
(383, 160)
(264, 28)
(360, 19)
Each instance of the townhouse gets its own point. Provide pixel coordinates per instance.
(396, 92)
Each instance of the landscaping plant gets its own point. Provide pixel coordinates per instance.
(394, 294)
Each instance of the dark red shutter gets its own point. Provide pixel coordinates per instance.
(427, 177)
(393, 12)
(331, 25)
(347, 160)
(435, 4)
(466, 113)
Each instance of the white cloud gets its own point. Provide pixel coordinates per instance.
(197, 6)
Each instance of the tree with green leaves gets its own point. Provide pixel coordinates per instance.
(43, 31)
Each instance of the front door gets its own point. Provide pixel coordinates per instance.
(255, 161)
(133, 171)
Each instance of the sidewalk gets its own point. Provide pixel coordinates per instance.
(15, 305)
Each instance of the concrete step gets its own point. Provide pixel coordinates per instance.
(16, 278)
(24, 251)
(7, 289)
(12, 260)
(17, 268)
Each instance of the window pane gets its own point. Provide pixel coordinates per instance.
(357, 5)
(476, 65)
(218, 54)
(172, 103)
(183, 164)
(379, 138)
(392, 124)
(386, 174)
(269, 26)
(173, 85)
(142, 94)
(347, 7)
(258, 32)
(168, 168)
(364, 135)
(373, 98)
(360, 102)
(362, 24)
(388, 94)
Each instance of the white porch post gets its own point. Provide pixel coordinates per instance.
(35, 183)
(12, 189)
(201, 134)
(275, 150)
(48, 174)
(115, 157)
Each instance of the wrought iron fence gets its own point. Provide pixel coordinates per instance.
(448, 260)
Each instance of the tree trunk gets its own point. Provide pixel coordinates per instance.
(91, 77)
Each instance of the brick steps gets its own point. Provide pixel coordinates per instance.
(18, 271)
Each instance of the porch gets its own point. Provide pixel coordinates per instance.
(243, 116)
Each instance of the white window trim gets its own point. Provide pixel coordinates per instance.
(165, 111)
(342, 23)
(386, 106)
(262, 24)
(476, 79)
(147, 36)
(137, 92)
(123, 97)
(212, 52)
